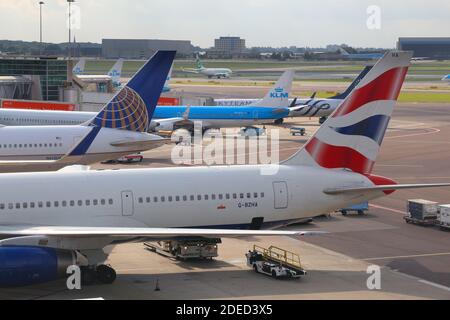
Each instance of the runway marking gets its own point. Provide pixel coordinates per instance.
(387, 209)
(435, 130)
(410, 256)
(400, 165)
(435, 285)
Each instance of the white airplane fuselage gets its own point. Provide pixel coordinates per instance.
(53, 142)
(188, 197)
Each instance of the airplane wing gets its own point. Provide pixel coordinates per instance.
(86, 232)
(83, 238)
(144, 144)
(336, 191)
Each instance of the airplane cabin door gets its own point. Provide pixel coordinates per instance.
(280, 190)
(127, 203)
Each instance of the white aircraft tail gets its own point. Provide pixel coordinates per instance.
(351, 137)
(278, 96)
(79, 67)
(116, 72)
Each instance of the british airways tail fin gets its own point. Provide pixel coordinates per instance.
(79, 67)
(351, 137)
(133, 106)
(278, 96)
(116, 73)
(355, 82)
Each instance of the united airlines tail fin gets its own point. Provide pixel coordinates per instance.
(116, 73)
(355, 82)
(79, 67)
(278, 96)
(351, 137)
(133, 106)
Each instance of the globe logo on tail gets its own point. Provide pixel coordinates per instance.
(126, 111)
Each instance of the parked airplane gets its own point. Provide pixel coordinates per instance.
(210, 72)
(446, 78)
(114, 74)
(75, 216)
(273, 107)
(119, 129)
(312, 107)
(360, 56)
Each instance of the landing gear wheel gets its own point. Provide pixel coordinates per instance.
(279, 121)
(88, 276)
(274, 274)
(105, 274)
(255, 268)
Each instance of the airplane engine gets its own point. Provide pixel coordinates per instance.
(22, 266)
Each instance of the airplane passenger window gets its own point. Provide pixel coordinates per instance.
(155, 199)
(206, 197)
(56, 204)
(2, 206)
(40, 204)
(110, 201)
(72, 203)
(48, 204)
(255, 195)
(199, 197)
(95, 202)
(163, 199)
(170, 198)
(64, 203)
(220, 196)
(177, 198)
(213, 197)
(88, 202)
(148, 199)
(192, 198)
(228, 196)
(80, 203)
(249, 195)
(234, 196)
(241, 196)
(10, 206)
(141, 200)
(262, 194)
(184, 198)
(32, 205)
(103, 202)
(25, 205)
(17, 205)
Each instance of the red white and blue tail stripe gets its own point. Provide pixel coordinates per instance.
(351, 138)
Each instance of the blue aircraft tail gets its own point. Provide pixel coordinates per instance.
(358, 79)
(133, 106)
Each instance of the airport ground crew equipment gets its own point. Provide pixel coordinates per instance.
(275, 262)
(186, 249)
(359, 208)
(422, 212)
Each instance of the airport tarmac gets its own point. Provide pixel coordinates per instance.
(414, 260)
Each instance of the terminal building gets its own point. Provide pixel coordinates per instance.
(143, 49)
(228, 47)
(433, 48)
(23, 75)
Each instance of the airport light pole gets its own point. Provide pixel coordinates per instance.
(70, 28)
(41, 3)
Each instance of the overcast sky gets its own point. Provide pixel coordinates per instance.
(276, 23)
